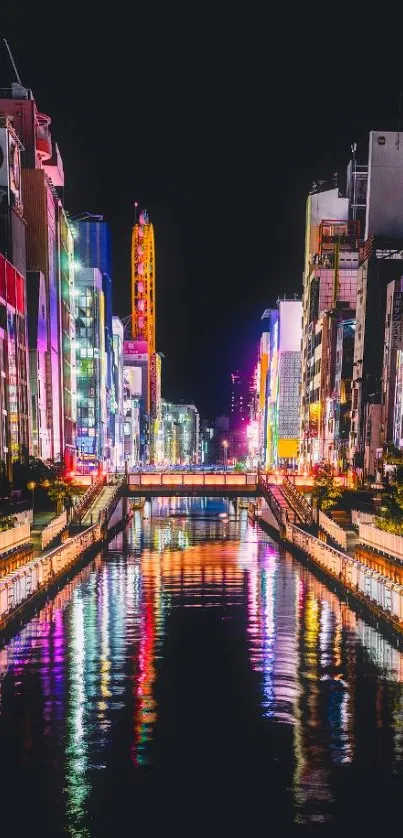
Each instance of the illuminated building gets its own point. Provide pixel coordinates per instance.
(14, 383)
(207, 442)
(49, 252)
(393, 345)
(273, 432)
(380, 265)
(92, 248)
(143, 327)
(91, 369)
(238, 400)
(136, 418)
(341, 403)
(332, 238)
(143, 288)
(181, 433)
(118, 393)
(14, 427)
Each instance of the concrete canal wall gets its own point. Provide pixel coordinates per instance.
(20, 587)
(382, 596)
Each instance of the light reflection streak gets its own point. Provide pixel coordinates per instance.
(303, 643)
(77, 785)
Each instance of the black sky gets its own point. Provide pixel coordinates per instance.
(217, 124)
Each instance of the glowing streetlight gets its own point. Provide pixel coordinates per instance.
(32, 486)
(225, 447)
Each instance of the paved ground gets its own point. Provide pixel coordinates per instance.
(41, 519)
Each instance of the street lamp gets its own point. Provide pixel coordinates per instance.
(32, 486)
(225, 447)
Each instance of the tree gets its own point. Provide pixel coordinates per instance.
(7, 522)
(324, 488)
(5, 484)
(58, 491)
(391, 508)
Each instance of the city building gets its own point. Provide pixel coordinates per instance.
(181, 433)
(381, 264)
(341, 403)
(143, 328)
(92, 249)
(239, 396)
(48, 252)
(92, 453)
(391, 347)
(118, 394)
(208, 454)
(332, 240)
(14, 386)
(136, 418)
(14, 368)
(273, 429)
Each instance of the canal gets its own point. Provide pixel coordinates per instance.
(197, 678)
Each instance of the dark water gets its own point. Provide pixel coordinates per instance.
(197, 680)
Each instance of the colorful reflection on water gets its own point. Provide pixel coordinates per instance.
(196, 649)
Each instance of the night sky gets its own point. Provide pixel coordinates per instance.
(217, 126)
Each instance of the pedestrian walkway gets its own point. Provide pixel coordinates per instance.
(41, 520)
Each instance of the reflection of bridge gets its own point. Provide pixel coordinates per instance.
(200, 483)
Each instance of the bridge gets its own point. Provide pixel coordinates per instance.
(192, 483)
(282, 500)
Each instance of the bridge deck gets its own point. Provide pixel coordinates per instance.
(191, 483)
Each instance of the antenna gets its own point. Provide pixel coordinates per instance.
(10, 55)
(135, 204)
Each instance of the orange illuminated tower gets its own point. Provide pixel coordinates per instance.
(143, 282)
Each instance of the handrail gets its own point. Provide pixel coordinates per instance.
(303, 508)
(278, 511)
(86, 500)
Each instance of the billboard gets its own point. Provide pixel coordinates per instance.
(397, 320)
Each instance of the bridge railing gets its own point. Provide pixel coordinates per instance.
(192, 479)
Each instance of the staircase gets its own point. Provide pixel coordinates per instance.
(103, 500)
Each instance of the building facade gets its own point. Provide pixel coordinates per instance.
(332, 241)
(118, 394)
(14, 384)
(91, 371)
(48, 252)
(181, 433)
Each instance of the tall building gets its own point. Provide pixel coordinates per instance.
(91, 371)
(392, 346)
(14, 426)
(136, 419)
(118, 393)
(341, 403)
(289, 376)
(239, 399)
(332, 239)
(143, 324)
(14, 371)
(92, 246)
(381, 264)
(48, 252)
(181, 433)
